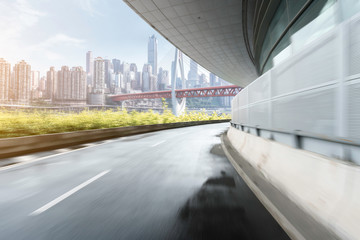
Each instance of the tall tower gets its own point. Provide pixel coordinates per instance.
(146, 77)
(78, 81)
(213, 80)
(63, 84)
(116, 64)
(193, 77)
(152, 54)
(109, 69)
(89, 67)
(22, 81)
(5, 74)
(51, 83)
(99, 75)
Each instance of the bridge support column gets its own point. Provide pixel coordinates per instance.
(177, 108)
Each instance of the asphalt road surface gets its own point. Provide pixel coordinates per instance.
(172, 184)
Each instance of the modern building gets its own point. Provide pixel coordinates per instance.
(163, 79)
(89, 67)
(203, 81)
(116, 65)
(51, 83)
(5, 76)
(146, 77)
(63, 86)
(133, 67)
(193, 76)
(213, 80)
(296, 120)
(152, 54)
(109, 70)
(97, 96)
(35, 81)
(139, 81)
(20, 91)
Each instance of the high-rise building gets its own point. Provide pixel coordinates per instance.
(116, 65)
(35, 79)
(139, 81)
(193, 77)
(97, 96)
(42, 87)
(146, 77)
(51, 83)
(5, 76)
(22, 81)
(108, 72)
(98, 85)
(63, 87)
(203, 82)
(124, 68)
(213, 80)
(163, 79)
(133, 67)
(152, 54)
(89, 67)
(71, 86)
(78, 84)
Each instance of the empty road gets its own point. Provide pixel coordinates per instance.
(172, 184)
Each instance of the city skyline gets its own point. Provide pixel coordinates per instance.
(38, 32)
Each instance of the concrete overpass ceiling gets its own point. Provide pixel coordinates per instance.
(208, 31)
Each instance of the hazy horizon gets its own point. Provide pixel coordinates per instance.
(48, 33)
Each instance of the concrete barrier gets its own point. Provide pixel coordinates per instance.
(326, 189)
(10, 147)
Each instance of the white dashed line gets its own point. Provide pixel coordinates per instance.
(156, 144)
(67, 194)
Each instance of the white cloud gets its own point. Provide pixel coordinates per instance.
(49, 46)
(15, 16)
(89, 7)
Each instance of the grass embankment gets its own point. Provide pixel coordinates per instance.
(20, 123)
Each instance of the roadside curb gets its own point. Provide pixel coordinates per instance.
(12, 147)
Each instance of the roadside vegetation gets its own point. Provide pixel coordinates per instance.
(22, 123)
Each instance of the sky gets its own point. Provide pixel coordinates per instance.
(56, 33)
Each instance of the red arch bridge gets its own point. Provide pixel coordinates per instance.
(220, 91)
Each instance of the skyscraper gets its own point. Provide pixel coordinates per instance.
(97, 96)
(213, 80)
(152, 54)
(163, 79)
(5, 75)
(71, 85)
(63, 88)
(193, 77)
(146, 77)
(51, 83)
(108, 72)
(203, 82)
(89, 67)
(116, 64)
(99, 76)
(78, 84)
(22, 80)
(35, 81)
(133, 67)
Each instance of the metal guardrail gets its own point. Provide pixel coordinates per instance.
(298, 135)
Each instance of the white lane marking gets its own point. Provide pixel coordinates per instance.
(53, 155)
(156, 144)
(67, 194)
